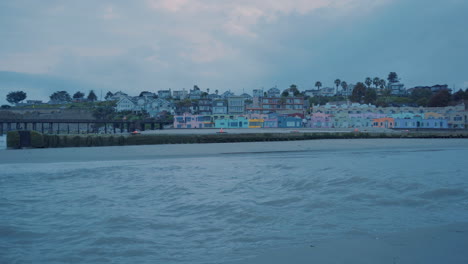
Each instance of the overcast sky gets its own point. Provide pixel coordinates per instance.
(139, 45)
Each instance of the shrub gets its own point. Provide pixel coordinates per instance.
(13, 139)
(37, 140)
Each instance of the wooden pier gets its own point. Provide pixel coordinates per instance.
(76, 126)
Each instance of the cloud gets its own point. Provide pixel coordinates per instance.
(158, 44)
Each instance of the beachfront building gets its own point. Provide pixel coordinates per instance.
(232, 122)
(188, 120)
(256, 123)
(419, 122)
(320, 120)
(385, 122)
(289, 122)
(363, 120)
(271, 121)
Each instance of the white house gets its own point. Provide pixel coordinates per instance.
(180, 94)
(273, 92)
(156, 106)
(125, 104)
(164, 94)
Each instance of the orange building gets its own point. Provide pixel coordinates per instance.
(386, 122)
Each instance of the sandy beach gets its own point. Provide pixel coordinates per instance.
(189, 150)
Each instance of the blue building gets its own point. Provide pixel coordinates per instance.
(289, 122)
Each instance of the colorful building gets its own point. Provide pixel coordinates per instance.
(385, 122)
(238, 122)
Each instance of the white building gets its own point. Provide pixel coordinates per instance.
(126, 103)
(180, 94)
(164, 94)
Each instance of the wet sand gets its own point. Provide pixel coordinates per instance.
(445, 244)
(51, 155)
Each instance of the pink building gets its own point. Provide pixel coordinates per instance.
(320, 120)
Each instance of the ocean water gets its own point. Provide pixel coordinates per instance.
(223, 208)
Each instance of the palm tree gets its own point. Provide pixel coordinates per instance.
(376, 82)
(337, 83)
(344, 85)
(382, 84)
(368, 82)
(318, 84)
(216, 91)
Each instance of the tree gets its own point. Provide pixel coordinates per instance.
(104, 112)
(204, 94)
(359, 92)
(60, 96)
(370, 97)
(337, 83)
(465, 97)
(440, 99)
(208, 90)
(196, 88)
(15, 97)
(92, 96)
(293, 89)
(318, 84)
(392, 77)
(142, 93)
(382, 84)
(368, 82)
(108, 95)
(285, 93)
(376, 82)
(421, 96)
(458, 96)
(216, 91)
(78, 95)
(344, 85)
(5, 107)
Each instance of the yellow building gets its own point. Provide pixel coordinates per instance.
(256, 123)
